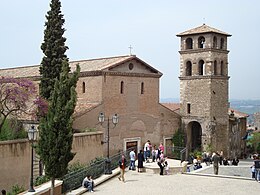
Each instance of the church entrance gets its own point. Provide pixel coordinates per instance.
(132, 144)
(194, 133)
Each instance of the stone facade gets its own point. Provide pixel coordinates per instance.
(204, 92)
(130, 90)
(15, 157)
(125, 85)
(257, 120)
(204, 87)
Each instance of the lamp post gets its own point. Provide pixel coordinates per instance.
(101, 119)
(32, 136)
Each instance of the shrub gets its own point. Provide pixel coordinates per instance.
(12, 129)
(41, 179)
(16, 189)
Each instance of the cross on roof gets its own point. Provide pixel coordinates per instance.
(130, 48)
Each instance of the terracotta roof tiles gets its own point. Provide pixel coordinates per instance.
(202, 29)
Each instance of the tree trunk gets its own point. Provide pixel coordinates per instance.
(52, 185)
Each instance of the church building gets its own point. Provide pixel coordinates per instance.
(128, 87)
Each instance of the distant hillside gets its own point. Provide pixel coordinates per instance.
(247, 106)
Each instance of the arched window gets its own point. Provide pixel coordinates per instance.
(189, 43)
(222, 42)
(201, 42)
(215, 67)
(83, 87)
(221, 68)
(122, 87)
(188, 68)
(142, 88)
(201, 67)
(215, 42)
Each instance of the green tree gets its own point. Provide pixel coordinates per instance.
(55, 142)
(178, 139)
(255, 142)
(53, 48)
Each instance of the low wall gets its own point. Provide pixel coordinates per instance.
(15, 157)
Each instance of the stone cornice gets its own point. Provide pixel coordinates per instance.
(188, 51)
(154, 75)
(213, 77)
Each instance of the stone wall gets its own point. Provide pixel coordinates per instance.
(15, 157)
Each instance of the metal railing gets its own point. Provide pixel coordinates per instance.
(176, 152)
(74, 180)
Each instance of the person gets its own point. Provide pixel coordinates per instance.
(166, 165)
(253, 171)
(221, 157)
(235, 161)
(132, 160)
(257, 169)
(88, 183)
(140, 158)
(161, 147)
(154, 153)
(122, 165)
(147, 150)
(225, 162)
(215, 160)
(160, 164)
(3, 192)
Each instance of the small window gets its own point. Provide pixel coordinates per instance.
(122, 87)
(189, 43)
(201, 67)
(201, 42)
(142, 88)
(215, 67)
(131, 66)
(83, 87)
(188, 108)
(215, 42)
(188, 68)
(222, 42)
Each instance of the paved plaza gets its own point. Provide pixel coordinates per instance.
(178, 184)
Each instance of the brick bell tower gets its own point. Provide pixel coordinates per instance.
(204, 88)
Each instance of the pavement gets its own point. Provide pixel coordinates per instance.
(200, 181)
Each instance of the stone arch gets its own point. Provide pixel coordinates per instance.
(215, 42)
(188, 68)
(222, 68)
(194, 136)
(189, 43)
(222, 42)
(201, 67)
(215, 68)
(201, 42)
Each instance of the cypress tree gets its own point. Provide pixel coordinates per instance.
(56, 136)
(53, 48)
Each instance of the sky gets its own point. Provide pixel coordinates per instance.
(106, 28)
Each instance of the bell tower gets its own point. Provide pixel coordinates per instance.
(204, 88)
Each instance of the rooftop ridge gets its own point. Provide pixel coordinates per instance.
(73, 61)
(202, 29)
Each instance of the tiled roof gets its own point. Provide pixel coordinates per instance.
(172, 106)
(237, 113)
(202, 29)
(85, 65)
(83, 107)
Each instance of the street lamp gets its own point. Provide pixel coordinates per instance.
(32, 136)
(101, 119)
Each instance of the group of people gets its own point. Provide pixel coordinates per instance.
(152, 151)
(149, 152)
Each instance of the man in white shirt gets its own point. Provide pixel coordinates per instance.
(132, 160)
